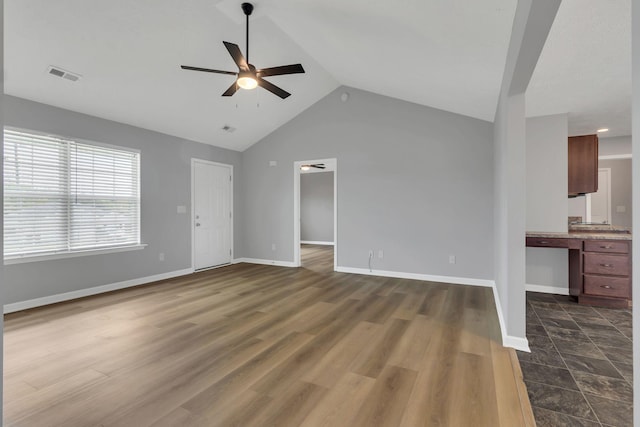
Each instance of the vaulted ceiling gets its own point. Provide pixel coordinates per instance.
(447, 54)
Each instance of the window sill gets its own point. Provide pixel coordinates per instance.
(36, 258)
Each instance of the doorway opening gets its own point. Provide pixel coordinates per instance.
(315, 194)
(211, 214)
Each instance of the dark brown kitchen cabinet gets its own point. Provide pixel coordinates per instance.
(583, 164)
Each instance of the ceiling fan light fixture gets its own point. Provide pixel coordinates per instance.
(305, 167)
(247, 81)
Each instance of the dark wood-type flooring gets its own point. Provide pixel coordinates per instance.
(580, 369)
(252, 345)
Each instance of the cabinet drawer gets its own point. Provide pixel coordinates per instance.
(543, 242)
(617, 265)
(607, 286)
(606, 246)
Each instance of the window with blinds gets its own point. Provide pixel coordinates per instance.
(65, 196)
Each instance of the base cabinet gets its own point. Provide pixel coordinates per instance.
(606, 273)
(599, 270)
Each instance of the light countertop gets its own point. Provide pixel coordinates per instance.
(582, 235)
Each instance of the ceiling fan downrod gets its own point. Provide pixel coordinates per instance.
(247, 8)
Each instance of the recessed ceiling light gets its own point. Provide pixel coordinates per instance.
(603, 130)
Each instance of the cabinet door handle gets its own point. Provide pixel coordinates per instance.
(606, 286)
(542, 242)
(607, 265)
(606, 247)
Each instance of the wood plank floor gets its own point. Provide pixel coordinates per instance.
(249, 345)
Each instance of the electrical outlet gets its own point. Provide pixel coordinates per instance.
(452, 259)
(370, 253)
(380, 254)
(273, 246)
(161, 256)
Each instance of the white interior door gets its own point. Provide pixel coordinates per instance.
(601, 200)
(212, 214)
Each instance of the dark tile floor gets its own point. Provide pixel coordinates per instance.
(579, 371)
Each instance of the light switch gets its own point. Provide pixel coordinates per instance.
(182, 209)
(273, 163)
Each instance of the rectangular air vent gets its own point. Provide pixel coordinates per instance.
(59, 72)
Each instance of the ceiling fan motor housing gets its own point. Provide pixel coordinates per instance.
(247, 8)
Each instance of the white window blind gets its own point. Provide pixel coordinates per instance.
(63, 196)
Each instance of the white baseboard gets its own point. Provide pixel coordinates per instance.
(265, 262)
(517, 343)
(548, 289)
(315, 242)
(416, 276)
(38, 302)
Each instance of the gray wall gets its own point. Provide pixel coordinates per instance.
(547, 178)
(165, 184)
(413, 181)
(614, 146)
(316, 207)
(547, 207)
(620, 190)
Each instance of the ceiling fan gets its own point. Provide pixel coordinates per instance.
(317, 166)
(248, 76)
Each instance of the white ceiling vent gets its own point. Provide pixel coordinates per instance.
(59, 72)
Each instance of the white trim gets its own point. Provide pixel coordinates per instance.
(195, 160)
(517, 343)
(52, 299)
(615, 157)
(417, 276)
(315, 242)
(587, 207)
(559, 290)
(265, 262)
(332, 165)
(35, 258)
(213, 267)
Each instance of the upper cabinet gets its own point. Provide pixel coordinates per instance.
(583, 165)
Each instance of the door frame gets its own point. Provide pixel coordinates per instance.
(296, 209)
(192, 213)
(588, 198)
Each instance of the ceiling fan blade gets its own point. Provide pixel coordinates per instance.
(237, 56)
(281, 70)
(273, 88)
(232, 89)
(318, 166)
(207, 70)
